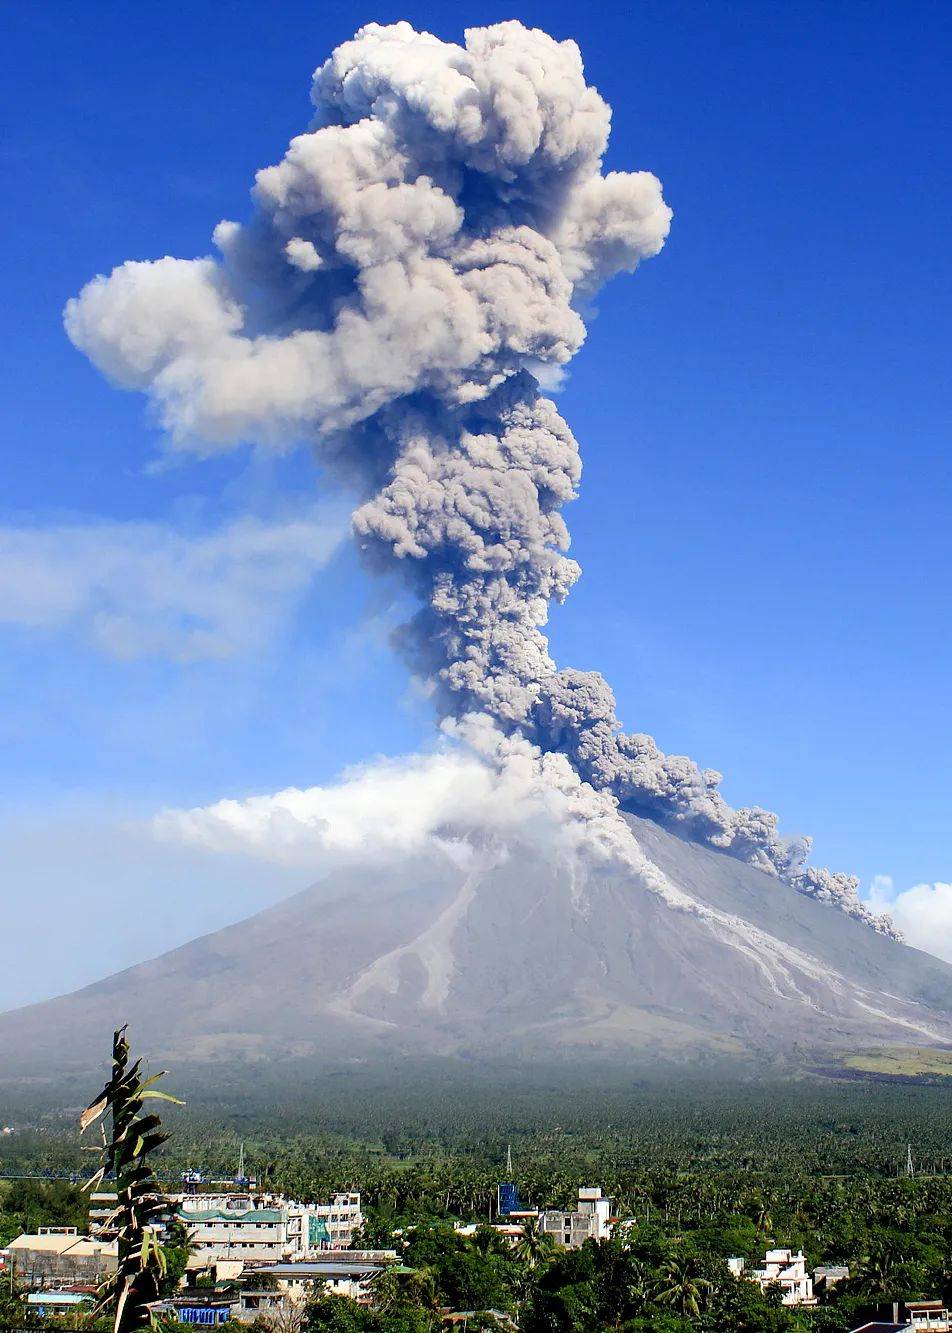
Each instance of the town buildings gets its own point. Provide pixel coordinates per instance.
(929, 1316)
(827, 1276)
(337, 1276)
(920, 1317)
(590, 1219)
(242, 1227)
(54, 1256)
(266, 1228)
(783, 1269)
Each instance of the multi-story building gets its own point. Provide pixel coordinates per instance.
(591, 1219)
(251, 1228)
(266, 1228)
(242, 1233)
(340, 1218)
(783, 1269)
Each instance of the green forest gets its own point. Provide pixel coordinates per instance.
(697, 1172)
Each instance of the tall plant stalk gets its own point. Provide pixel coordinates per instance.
(140, 1204)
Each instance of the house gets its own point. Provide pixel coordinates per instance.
(343, 1276)
(204, 1308)
(591, 1219)
(66, 1302)
(510, 1231)
(928, 1315)
(877, 1327)
(459, 1320)
(254, 1304)
(826, 1277)
(54, 1256)
(921, 1317)
(783, 1269)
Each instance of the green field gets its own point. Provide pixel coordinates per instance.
(902, 1060)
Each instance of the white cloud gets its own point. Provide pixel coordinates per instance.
(478, 785)
(137, 589)
(923, 913)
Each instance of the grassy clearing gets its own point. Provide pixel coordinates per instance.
(908, 1060)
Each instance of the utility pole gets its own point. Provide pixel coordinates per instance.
(910, 1169)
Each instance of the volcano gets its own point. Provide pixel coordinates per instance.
(411, 283)
(511, 954)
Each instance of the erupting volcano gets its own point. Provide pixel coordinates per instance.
(413, 278)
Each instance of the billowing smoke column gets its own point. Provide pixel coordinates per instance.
(412, 274)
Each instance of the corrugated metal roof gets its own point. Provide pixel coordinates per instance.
(45, 1244)
(57, 1298)
(93, 1248)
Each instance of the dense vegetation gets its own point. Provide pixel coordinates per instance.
(701, 1172)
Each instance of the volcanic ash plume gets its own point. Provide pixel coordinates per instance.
(412, 274)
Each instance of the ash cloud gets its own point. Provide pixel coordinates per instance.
(414, 270)
(480, 790)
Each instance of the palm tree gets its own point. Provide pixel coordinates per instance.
(639, 1286)
(393, 1288)
(387, 1288)
(682, 1288)
(534, 1246)
(764, 1220)
(880, 1270)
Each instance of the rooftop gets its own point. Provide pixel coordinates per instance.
(883, 1328)
(54, 1243)
(223, 1215)
(324, 1268)
(77, 1247)
(58, 1298)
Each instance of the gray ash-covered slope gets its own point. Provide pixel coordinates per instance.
(513, 956)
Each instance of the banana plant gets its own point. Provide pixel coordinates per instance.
(140, 1205)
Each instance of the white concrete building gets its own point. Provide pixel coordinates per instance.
(928, 1315)
(591, 1219)
(341, 1218)
(339, 1276)
(783, 1269)
(242, 1226)
(266, 1228)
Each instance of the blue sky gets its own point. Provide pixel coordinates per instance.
(763, 412)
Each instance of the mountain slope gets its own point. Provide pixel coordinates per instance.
(514, 954)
